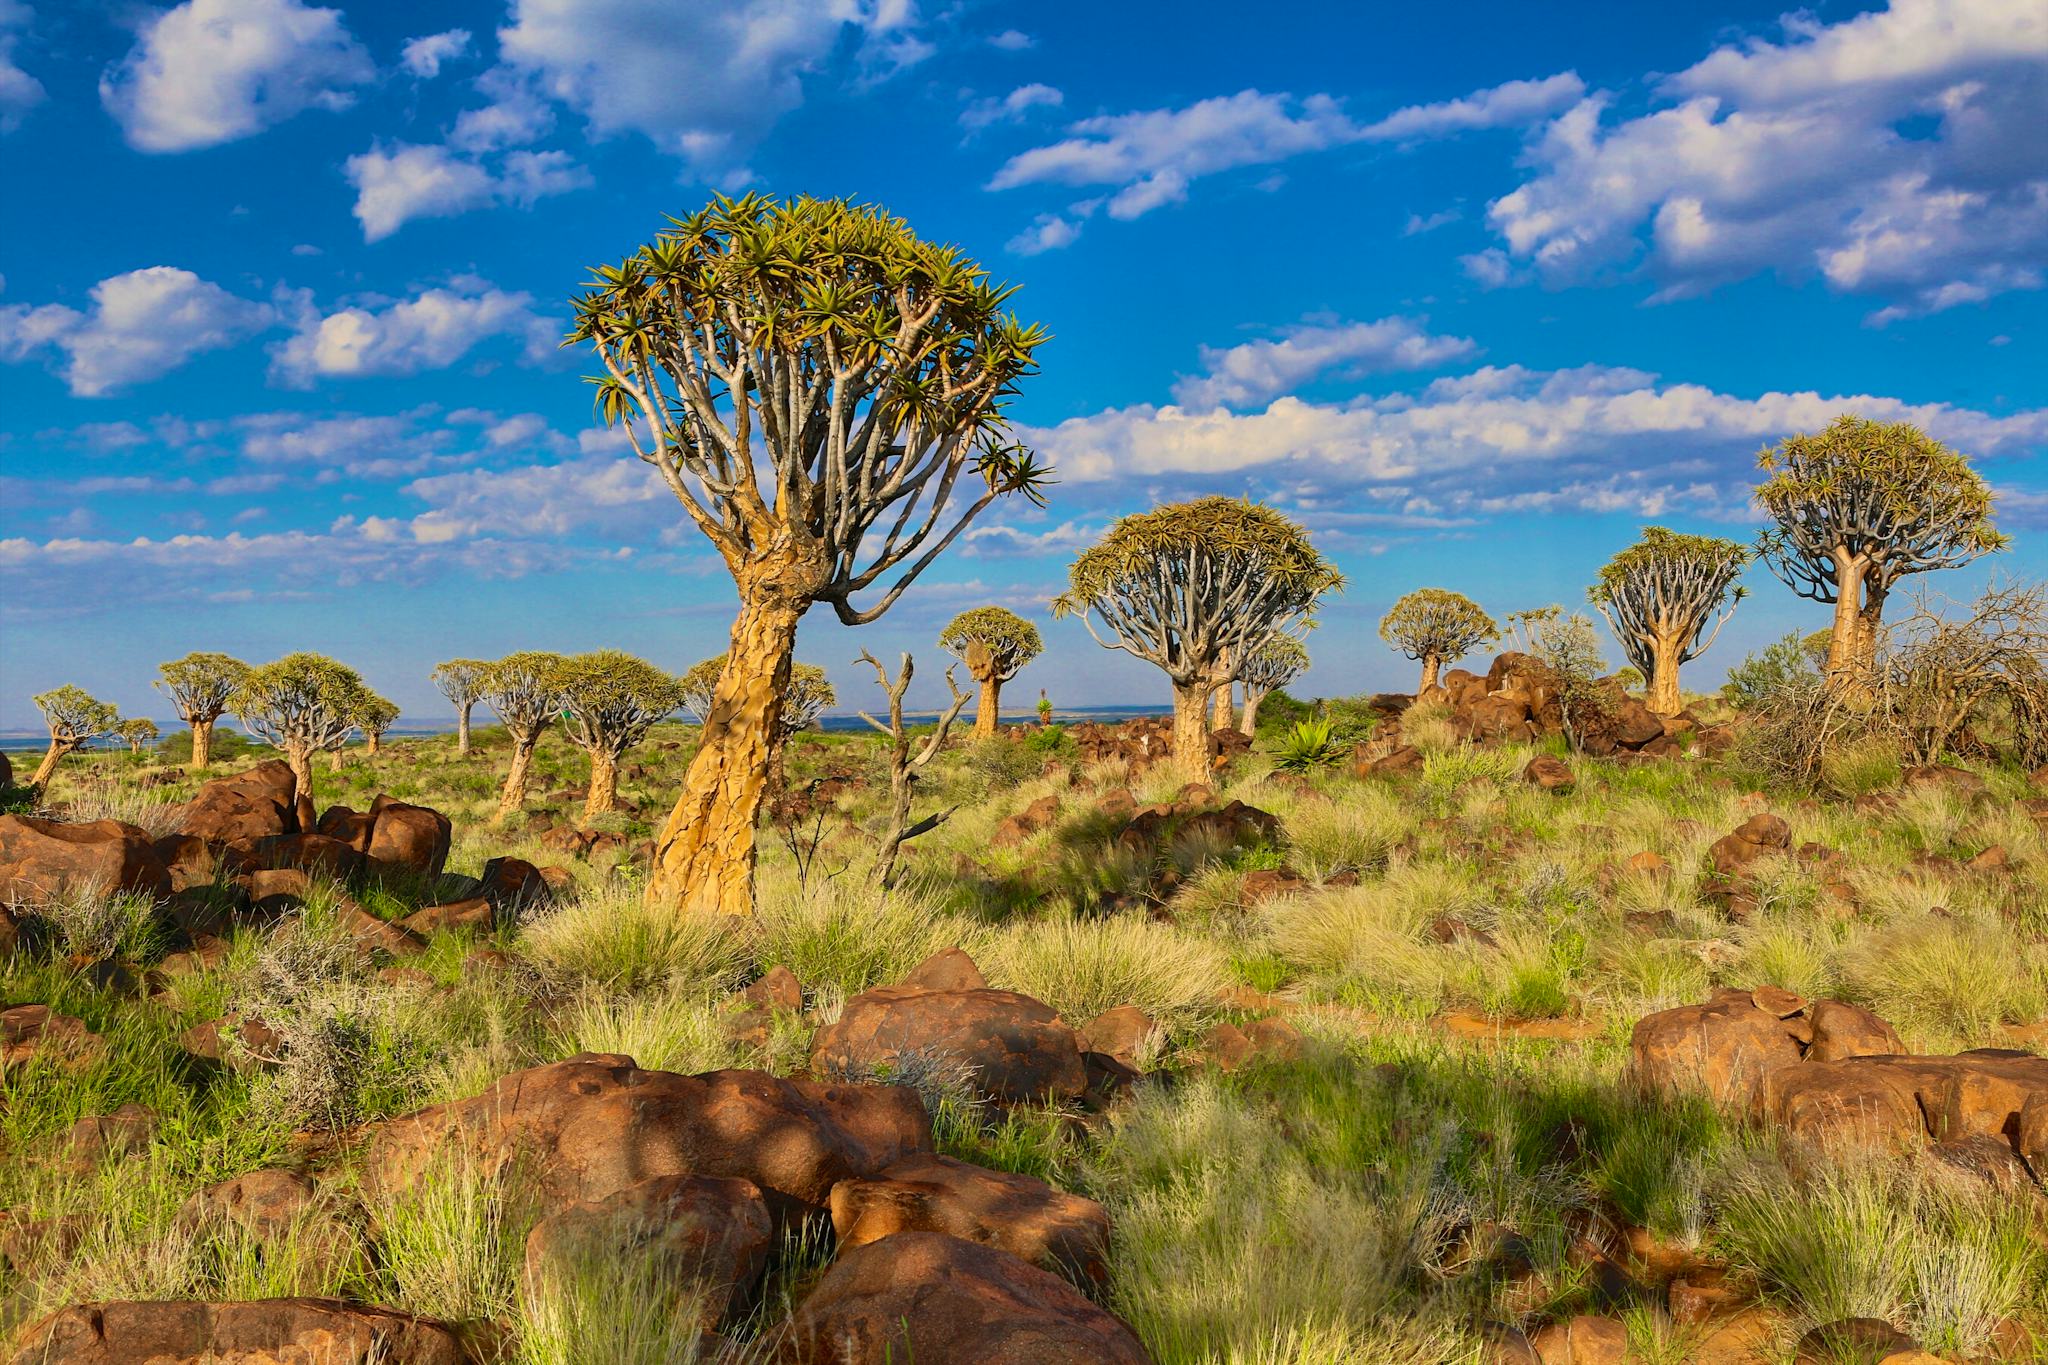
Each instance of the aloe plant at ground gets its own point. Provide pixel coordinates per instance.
(1464, 1047)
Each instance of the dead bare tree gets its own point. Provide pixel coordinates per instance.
(904, 764)
(1946, 674)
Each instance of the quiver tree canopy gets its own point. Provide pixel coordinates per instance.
(524, 689)
(201, 686)
(1436, 627)
(1859, 505)
(376, 715)
(1191, 587)
(1665, 598)
(822, 390)
(461, 682)
(609, 701)
(74, 718)
(138, 732)
(995, 643)
(1274, 662)
(302, 704)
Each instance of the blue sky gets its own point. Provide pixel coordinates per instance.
(1475, 291)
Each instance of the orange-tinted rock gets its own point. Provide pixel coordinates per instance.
(1017, 1213)
(1582, 1340)
(1548, 772)
(1843, 1030)
(1008, 1046)
(1118, 1032)
(949, 969)
(41, 860)
(265, 1332)
(243, 807)
(1724, 1049)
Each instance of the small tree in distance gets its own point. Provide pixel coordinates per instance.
(1274, 662)
(522, 689)
(302, 704)
(138, 733)
(609, 701)
(995, 643)
(378, 714)
(74, 718)
(1858, 506)
(1437, 627)
(1188, 587)
(200, 686)
(1660, 595)
(800, 373)
(461, 682)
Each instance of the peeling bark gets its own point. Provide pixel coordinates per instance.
(462, 728)
(202, 743)
(1191, 730)
(1248, 724)
(704, 859)
(1223, 715)
(604, 786)
(1665, 698)
(49, 764)
(1432, 665)
(514, 794)
(987, 708)
(301, 760)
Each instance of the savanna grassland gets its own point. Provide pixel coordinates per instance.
(1380, 1103)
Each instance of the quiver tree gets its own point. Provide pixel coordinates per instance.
(1274, 662)
(1858, 506)
(995, 643)
(200, 687)
(461, 682)
(523, 689)
(1436, 627)
(609, 701)
(1665, 598)
(1189, 587)
(802, 374)
(377, 715)
(74, 719)
(138, 733)
(302, 704)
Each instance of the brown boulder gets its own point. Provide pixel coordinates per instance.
(265, 1332)
(1851, 1341)
(712, 1232)
(595, 1124)
(1119, 1032)
(268, 1202)
(1040, 814)
(1842, 1030)
(474, 914)
(1758, 837)
(41, 860)
(187, 858)
(925, 1296)
(316, 854)
(1008, 1046)
(1907, 1101)
(413, 837)
(777, 989)
(514, 886)
(27, 1031)
(1583, 1340)
(1548, 772)
(1725, 1048)
(1016, 1213)
(243, 807)
(949, 969)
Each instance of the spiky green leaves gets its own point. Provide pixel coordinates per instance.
(74, 716)
(1274, 662)
(999, 637)
(610, 699)
(1885, 493)
(200, 685)
(523, 689)
(304, 702)
(1190, 585)
(1664, 589)
(1436, 623)
(460, 680)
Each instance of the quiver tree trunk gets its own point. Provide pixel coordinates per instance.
(301, 760)
(462, 728)
(704, 859)
(202, 743)
(1222, 715)
(370, 743)
(987, 707)
(1845, 637)
(1248, 723)
(334, 760)
(1432, 665)
(514, 794)
(604, 785)
(56, 751)
(1191, 730)
(1665, 699)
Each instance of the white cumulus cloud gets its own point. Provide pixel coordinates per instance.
(398, 183)
(431, 331)
(214, 71)
(19, 91)
(138, 326)
(1009, 108)
(424, 55)
(1255, 371)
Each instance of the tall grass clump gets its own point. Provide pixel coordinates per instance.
(849, 935)
(451, 1241)
(1082, 967)
(1361, 945)
(1358, 834)
(671, 1031)
(609, 936)
(1957, 979)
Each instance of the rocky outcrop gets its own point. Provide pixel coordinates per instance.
(924, 1296)
(247, 806)
(1007, 1046)
(42, 860)
(1015, 1213)
(267, 1332)
(393, 833)
(595, 1124)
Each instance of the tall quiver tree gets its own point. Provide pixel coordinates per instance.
(1274, 662)
(808, 694)
(302, 704)
(524, 689)
(1188, 587)
(1665, 598)
(378, 714)
(1858, 506)
(609, 700)
(995, 643)
(1436, 627)
(800, 372)
(200, 686)
(74, 719)
(461, 681)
